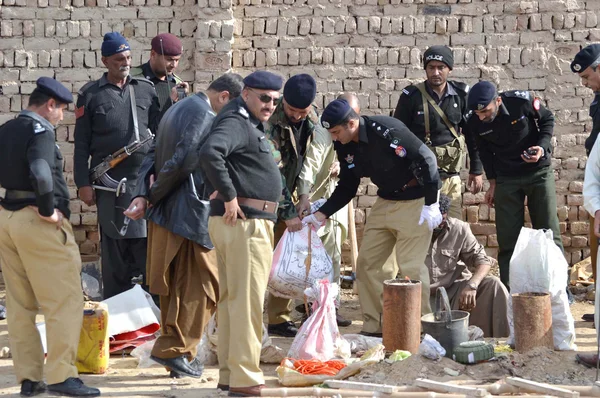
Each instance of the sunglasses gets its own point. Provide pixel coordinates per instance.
(265, 98)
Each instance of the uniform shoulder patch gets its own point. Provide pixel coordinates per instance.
(409, 90)
(242, 111)
(86, 87)
(38, 128)
(522, 94)
(464, 87)
(536, 104)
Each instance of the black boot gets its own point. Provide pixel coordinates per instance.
(285, 329)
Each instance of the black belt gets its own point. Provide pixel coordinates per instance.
(15, 194)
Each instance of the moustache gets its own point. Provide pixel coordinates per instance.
(124, 69)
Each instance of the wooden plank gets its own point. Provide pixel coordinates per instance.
(357, 385)
(541, 388)
(447, 387)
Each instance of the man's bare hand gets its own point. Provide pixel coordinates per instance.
(334, 169)
(303, 206)
(152, 180)
(174, 95)
(532, 158)
(294, 224)
(56, 218)
(87, 195)
(489, 195)
(137, 208)
(232, 211)
(475, 183)
(467, 299)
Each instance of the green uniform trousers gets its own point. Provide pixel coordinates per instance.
(509, 200)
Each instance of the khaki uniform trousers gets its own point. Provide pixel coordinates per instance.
(244, 256)
(391, 223)
(452, 188)
(41, 267)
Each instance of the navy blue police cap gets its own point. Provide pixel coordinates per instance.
(263, 80)
(54, 89)
(335, 113)
(585, 58)
(481, 95)
(300, 91)
(114, 43)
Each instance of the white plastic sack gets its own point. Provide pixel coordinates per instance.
(537, 265)
(288, 272)
(319, 337)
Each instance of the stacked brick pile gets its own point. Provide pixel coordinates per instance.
(372, 47)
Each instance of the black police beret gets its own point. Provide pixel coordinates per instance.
(335, 113)
(439, 53)
(54, 89)
(114, 43)
(585, 58)
(300, 91)
(263, 80)
(167, 44)
(481, 95)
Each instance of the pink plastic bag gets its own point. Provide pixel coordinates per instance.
(319, 337)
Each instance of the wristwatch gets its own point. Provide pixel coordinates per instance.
(473, 285)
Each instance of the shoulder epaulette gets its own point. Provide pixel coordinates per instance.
(38, 128)
(464, 87)
(409, 90)
(380, 129)
(86, 87)
(142, 79)
(522, 94)
(242, 111)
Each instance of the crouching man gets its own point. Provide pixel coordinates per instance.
(457, 262)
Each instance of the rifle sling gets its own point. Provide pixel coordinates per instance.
(427, 98)
(136, 130)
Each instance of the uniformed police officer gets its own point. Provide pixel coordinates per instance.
(160, 69)
(239, 164)
(406, 210)
(40, 259)
(435, 110)
(513, 131)
(111, 113)
(586, 64)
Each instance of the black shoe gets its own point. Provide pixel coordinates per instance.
(285, 329)
(195, 364)
(30, 388)
(341, 321)
(180, 365)
(370, 334)
(588, 317)
(301, 309)
(73, 387)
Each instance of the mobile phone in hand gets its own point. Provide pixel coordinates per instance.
(180, 93)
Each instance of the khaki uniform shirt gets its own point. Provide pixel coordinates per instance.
(454, 255)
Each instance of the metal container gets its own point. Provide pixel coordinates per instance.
(401, 313)
(449, 327)
(532, 314)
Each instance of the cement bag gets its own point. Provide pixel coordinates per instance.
(288, 272)
(538, 265)
(92, 352)
(319, 337)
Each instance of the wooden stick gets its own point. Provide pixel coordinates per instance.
(542, 388)
(329, 392)
(361, 386)
(450, 388)
(353, 244)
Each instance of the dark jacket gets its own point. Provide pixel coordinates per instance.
(238, 161)
(178, 196)
(595, 115)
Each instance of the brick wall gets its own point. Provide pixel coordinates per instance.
(372, 47)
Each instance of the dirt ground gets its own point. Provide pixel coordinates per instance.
(123, 379)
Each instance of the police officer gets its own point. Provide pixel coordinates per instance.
(435, 110)
(239, 163)
(513, 131)
(111, 113)
(406, 210)
(40, 259)
(586, 64)
(160, 69)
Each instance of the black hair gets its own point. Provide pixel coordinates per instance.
(444, 202)
(352, 115)
(38, 98)
(230, 82)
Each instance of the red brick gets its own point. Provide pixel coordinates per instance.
(470, 199)
(579, 241)
(579, 228)
(493, 240)
(573, 213)
(87, 247)
(472, 214)
(482, 239)
(483, 229)
(575, 200)
(89, 219)
(566, 240)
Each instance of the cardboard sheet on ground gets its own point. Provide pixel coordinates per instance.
(288, 274)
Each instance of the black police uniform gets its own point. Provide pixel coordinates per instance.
(521, 122)
(405, 171)
(104, 125)
(163, 87)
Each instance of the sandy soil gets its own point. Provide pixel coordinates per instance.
(124, 379)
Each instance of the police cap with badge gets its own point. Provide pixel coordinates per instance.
(585, 58)
(335, 113)
(263, 80)
(439, 53)
(481, 95)
(54, 89)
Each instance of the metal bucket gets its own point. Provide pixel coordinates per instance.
(449, 328)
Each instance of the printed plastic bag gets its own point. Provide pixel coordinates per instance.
(537, 265)
(92, 351)
(288, 273)
(319, 337)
